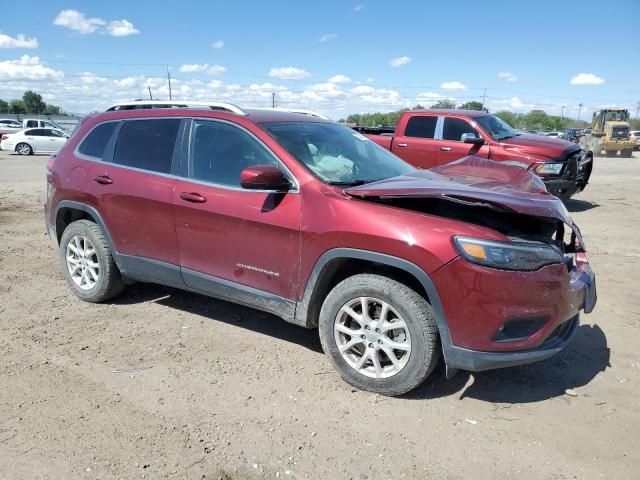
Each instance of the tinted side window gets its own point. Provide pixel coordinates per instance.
(32, 123)
(147, 144)
(219, 152)
(421, 127)
(455, 127)
(37, 132)
(96, 142)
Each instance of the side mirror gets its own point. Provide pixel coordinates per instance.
(264, 177)
(471, 138)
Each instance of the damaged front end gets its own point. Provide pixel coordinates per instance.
(530, 288)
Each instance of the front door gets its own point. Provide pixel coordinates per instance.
(451, 148)
(248, 237)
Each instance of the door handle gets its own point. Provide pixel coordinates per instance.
(192, 197)
(403, 145)
(103, 180)
(446, 149)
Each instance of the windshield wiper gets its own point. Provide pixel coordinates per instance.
(351, 183)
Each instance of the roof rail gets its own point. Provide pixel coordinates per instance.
(301, 111)
(145, 104)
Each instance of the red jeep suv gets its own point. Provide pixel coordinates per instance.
(295, 215)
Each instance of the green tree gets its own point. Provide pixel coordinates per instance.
(509, 117)
(17, 106)
(33, 102)
(52, 110)
(444, 104)
(472, 105)
(4, 106)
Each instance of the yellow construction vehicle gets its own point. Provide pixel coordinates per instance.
(610, 131)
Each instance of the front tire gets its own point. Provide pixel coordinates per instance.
(626, 153)
(24, 149)
(87, 263)
(380, 334)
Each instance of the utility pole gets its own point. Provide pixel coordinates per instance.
(149, 87)
(169, 80)
(562, 112)
(484, 94)
(638, 110)
(580, 105)
(273, 99)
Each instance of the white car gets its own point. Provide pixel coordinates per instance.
(636, 134)
(553, 134)
(9, 126)
(34, 140)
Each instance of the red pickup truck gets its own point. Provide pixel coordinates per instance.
(428, 138)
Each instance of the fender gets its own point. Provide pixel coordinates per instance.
(87, 209)
(303, 307)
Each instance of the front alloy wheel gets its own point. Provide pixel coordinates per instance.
(379, 333)
(372, 337)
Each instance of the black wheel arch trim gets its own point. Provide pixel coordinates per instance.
(303, 307)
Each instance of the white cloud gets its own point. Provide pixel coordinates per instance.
(78, 21)
(19, 42)
(430, 97)
(327, 37)
(202, 68)
(121, 28)
(362, 90)
(339, 79)
(217, 44)
(289, 73)
(586, 79)
(358, 8)
(453, 86)
(27, 68)
(399, 61)
(507, 76)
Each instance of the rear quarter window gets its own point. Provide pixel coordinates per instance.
(95, 143)
(421, 126)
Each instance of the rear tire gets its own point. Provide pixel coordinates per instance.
(610, 153)
(626, 153)
(407, 330)
(87, 263)
(24, 149)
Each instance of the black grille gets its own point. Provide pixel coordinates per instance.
(620, 132)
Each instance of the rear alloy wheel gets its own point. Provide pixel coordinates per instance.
(24, 149)
(380, 334)
(87, 263)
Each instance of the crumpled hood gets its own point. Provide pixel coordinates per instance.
(474, 180)
(539, 145)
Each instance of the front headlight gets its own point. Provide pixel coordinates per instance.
(521, 256)
(549, 168)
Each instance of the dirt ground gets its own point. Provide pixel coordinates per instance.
(167, 384)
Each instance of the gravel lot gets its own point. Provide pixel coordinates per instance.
(167, 384)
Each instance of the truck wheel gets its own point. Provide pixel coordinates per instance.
(380, 334)
(610, 153)
(87, 263)
(626, 153)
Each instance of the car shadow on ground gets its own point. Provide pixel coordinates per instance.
(586, 356)
(575, 205)
(220, 311)
(574, 367)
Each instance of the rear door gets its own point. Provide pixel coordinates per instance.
(451, 148)
(418, 145)
(36, 137)
(133, 191)
(248, 237)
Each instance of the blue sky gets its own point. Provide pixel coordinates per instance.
(335, 56)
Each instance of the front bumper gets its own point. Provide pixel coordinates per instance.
(573, 178)
(479, 301)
